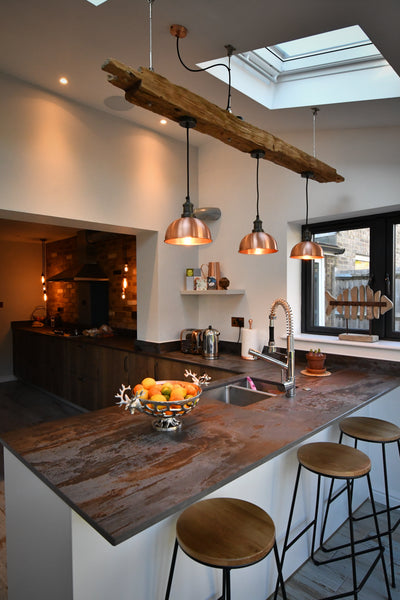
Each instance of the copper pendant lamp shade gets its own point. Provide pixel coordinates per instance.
(307, 249)
(258, 242)
(187, 230)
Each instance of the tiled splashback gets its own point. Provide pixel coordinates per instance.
(111, 254)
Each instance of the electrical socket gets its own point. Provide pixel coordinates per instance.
(237, 321)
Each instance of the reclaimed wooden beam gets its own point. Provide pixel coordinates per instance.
(155, 93)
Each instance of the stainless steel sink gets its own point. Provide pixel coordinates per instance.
(240, 393)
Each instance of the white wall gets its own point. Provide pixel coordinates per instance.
(65, 163)
(369, 161)
(61, 162)
(20, 292)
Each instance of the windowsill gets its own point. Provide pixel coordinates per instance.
(382, 349)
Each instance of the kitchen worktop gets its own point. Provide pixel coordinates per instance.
(122, 476)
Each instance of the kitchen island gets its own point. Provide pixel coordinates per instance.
(91, 501)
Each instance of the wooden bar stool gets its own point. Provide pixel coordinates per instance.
(376, 431)
(225, 533)
(336, 461)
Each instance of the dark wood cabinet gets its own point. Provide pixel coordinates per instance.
(88, 374)
(82, 374)
(40, 360)
(166, 368)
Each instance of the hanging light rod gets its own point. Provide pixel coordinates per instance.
(153, 92)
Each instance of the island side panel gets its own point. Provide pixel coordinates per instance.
(38, 526)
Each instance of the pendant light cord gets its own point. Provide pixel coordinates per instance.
(258, 189)
(187, 164)
(151, 35)
(198, 70)
(307, 179)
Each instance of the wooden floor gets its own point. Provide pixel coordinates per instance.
(21, 405)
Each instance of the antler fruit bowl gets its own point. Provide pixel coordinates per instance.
(165, 400)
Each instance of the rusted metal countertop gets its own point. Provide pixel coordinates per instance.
(122, 476)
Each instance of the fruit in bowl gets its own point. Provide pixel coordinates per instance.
(165, 400)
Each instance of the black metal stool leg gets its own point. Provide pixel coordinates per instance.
(226, 589)
(352, 545)
(171, 570)
(286, 546)
(315, 520)
(379, 537)
(280, 576)
(388, 515)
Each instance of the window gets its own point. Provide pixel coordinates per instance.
(358, 253)
(331, 67)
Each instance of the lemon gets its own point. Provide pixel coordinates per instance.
(148, 382)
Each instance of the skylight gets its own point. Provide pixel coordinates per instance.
(328, 68)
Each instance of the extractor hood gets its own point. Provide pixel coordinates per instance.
(86, 267)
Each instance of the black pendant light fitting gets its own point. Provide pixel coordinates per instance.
(188, 230)
(258, 242)
(307, 249)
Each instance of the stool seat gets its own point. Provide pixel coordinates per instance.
(225, 532)
(369, 429)
(334, 460)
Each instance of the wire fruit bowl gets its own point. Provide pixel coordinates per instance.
(166, 413)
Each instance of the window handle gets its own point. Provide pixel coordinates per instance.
(387, 285)
(371, 281)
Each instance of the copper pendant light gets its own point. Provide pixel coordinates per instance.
(258, 242)
(307, 249)
(188, 230)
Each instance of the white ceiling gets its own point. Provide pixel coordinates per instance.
(43, 39)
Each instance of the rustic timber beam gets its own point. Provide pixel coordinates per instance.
(155, 93)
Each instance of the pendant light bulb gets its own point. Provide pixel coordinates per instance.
(307, 249)
(187, 230)
(258, 242)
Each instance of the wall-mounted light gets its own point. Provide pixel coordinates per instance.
(43, 275)
(125, 276)
(258, 242)
(188, 230)
(307, 249)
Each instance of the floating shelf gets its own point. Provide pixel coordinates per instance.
(212, 292)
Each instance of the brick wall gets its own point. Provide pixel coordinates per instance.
(111, 254)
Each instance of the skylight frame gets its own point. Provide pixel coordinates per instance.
(353, 69)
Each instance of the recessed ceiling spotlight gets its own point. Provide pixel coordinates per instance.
(163, 121)
(96, 2)
(63, 81)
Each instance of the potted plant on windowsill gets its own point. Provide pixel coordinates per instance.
(315, 361)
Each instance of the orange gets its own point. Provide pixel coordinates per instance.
(155, 389)
(137, 388)
(191, 389)
(177, 394)
(148, 382)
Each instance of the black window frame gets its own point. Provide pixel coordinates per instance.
(381, 266)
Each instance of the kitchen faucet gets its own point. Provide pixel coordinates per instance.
(288, 378)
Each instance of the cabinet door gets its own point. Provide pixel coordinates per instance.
(114, 370)
(39, 359)
(174, 369)
(140, 366)
(82, 374)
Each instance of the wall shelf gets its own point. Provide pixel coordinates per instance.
(212, 292)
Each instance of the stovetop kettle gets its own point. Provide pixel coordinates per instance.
(210, 342)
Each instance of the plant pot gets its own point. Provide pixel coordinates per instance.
(316, 361)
